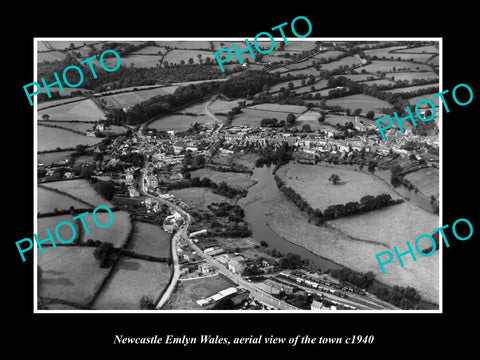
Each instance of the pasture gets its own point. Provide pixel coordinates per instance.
(389, 65)
(199, 198)
(420, 49)
(426, 180)
(85, 110)
(237, 180)
(178, 122)
(79, 188)
(411, 88)
(132, 279)
(150, 239)
(412, 75)
(116, 233)
(359, 101)
(48, 201)
(51, 139)
(130, 99)
(53, 157)
(70, 273)
(346, 61)
(176, 56)
(311, 182)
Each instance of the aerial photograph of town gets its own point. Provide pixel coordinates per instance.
(266, 186)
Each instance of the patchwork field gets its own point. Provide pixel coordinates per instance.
(81, 189)
(176, 56)
(252, 117)
(51, 56)
(223, 106)
(185, 44)
(51, 139)
(383, 52)
(307, 72)
(85, 110)
(178, 122)
(150, 239)
(53, 157)
(188, 292)
(132, 279)
(199, 198)
(51, 223)
(359, 101)
(294, 109)
(411, 88)
(116, 233)
(387, 66)
(414, 100)
(70, 273)
(77, 126)
(130, 99)
(420, 49)
(412, 75)
(346, 61)
(238, 180)
(48, 201)
(311, 182)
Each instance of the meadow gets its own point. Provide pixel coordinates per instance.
(411, 88)
(359, 101)
(48, 201)
(53, 157)
(252, 117)
(346, 61)
(130, 99)
(411, 75)
(178, 122)
(199, 198)
(85, 110)
(150, 239)
(426, 180)
(131, 280)
(176, 56)
(51, 139)
(116, 233)
(388, 65)
(70, 273)
(421, 49)
(237, 180)
(311, 182)
(79, 188)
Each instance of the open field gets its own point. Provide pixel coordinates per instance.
(199, 198)
(70, 273)
(307, 72)
(150, 50)
(426, 180)
(294, 109)
(383, 52)
(378, 82)
(412, 75)
(420, 49)
(178, 122)
(359, 101)
(237, 180)
(81, 189)
(132, 279)
(54, 103)
(298, 45)
(346, 61)
(252, 117)
(311, 182)
(357, 77)
(77, 126)
(188, 292)
(414, 100)
(277, 87)
(50, 56)
(48, 201)
(246, 159)
(411, 88)
(116, 233)
(176, 56)
(434, 61)
(51, 223)
(223, 106)
(130, 99)
(300, 65)
(53, 157)
(51, 138)
(330, 54)
(185, 44)
(150, 239)
(286, 220)
(85, 110)
(388, 65)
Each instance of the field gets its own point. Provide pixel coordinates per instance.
(294, 109)
(199, 198)
(186, 44)
(307, 72)
(357, 77)
(300, 65)
(383, 52)
(50, 56)
(434, 61)
(330, 54)
(414, 100)
(189, 291)
(277, 87)
(298, 45)
(53, 157)
(346, 61)
(130, 99)
(412, 75)
(51, 223)
(247, 159)
(77, 126)
(178, 122)
(311, 182)
(420, 49)
(252, 117)
(150, 239)
(287, 221)
(176, 56)
(411, 88)
(150, 50)
(85, 110)
(70, 273)
(116, 233)
(223, 106)
(379, 82)
(387, 66)
(132, 279)
(81, 189)
(359, 101)
(48, 201)
(237, 180)
(51, 138)
(426, 180)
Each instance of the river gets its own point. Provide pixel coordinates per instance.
(257, 203)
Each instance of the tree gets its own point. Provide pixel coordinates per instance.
(370, 115)
(146, 303)
(104, 253)
(290, 85)
(357, 112)
(321, 118)
(190, 61)
(371, 166)
(334, 178)
(306, 128)
(290, 119)
(105, 188)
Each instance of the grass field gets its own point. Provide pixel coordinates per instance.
(188, 292)
(81, 189)
(238, 180)
(330, 54)
(77, 126)
(150, 239)
(414, 100)
(70, 273)
(412, 75)
(223, 106)
(116, 233)
(51, 138)
(176, 56)
(178, 122)
(287, 221)
(420, 49)
(51, 223)
(311, 182)
(380, 82)
(150, 50)
(346, 61)
(48, 201)
(132, 279)
(359, 101)
(85, 110)
(185, 44)
(307, 72)
(277, 87)
(130, 99)
(300, 65)
(357, 77)
(53, 157)
(246, 159)
(434, 61)
(50, 56)
(411, 88)
(294, 109)
(388, 65)
(426, 180)
(199, 198)
(383, 52)
(252, 117)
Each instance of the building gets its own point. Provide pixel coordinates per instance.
(198, 233)
(235, 264)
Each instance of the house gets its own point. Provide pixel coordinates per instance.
(198, 233)
(91, 133)
(236, 265)
(151, 181)
(133, 192)
(316, 305)
(100, 127)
